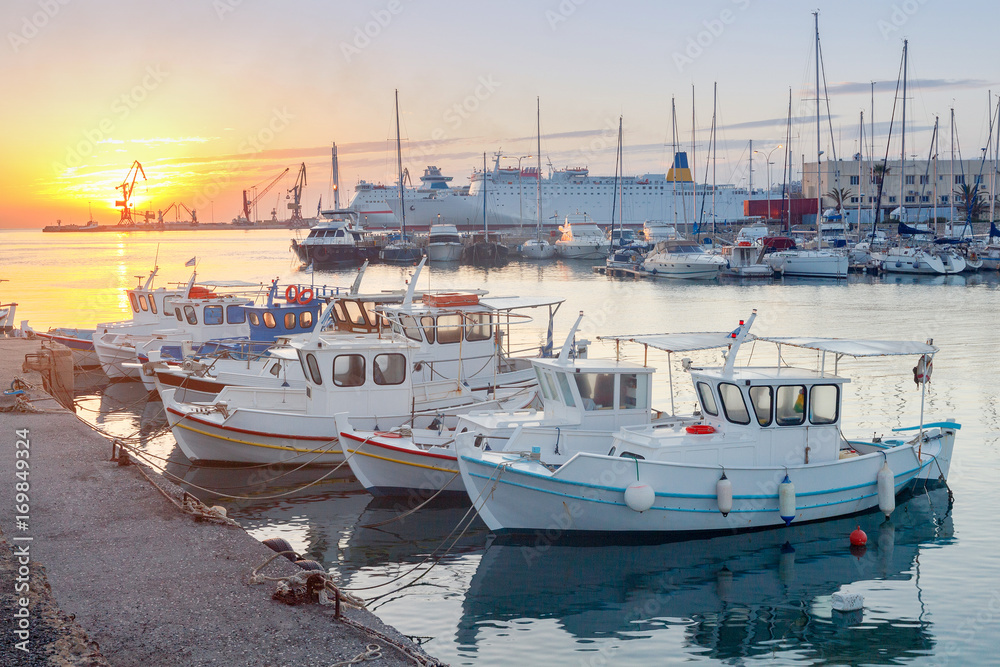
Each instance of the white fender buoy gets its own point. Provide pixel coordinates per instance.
(886, 489)
(724, 494)
(639, 496)
(786, 500)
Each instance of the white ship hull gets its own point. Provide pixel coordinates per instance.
(809, 263)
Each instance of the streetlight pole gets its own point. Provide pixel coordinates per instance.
(768, 163)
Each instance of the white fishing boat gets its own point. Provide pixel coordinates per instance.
(444, 244)
(80, 341)
(423, 461)
(151, 310)
(582, 239)
(682, 259)
(439, 359)
(767, 452)
(7, 311)
(745, 260)
(920, 260)
(808, 263)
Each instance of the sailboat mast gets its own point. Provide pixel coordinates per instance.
(621, 179)
(693, 162)
(902, 150)
(335, 175)
(788, 165)
(819, 153)
(399, 164)
(715, 96)
(951, 180)
(673, 158)
(861, 167)
(993, 172)
(538, 180)
(934, 189)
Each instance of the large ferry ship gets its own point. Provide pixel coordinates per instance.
(377, 205)
(672, 198)
(666, 197)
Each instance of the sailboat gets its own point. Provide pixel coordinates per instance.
(486, 249)
(817, 263)
(401, 250)
(538, 248)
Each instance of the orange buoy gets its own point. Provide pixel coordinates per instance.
(291, 293)
(858, 537)
(305, 297)
(700, 429)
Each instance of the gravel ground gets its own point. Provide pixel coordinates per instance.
(146, 582)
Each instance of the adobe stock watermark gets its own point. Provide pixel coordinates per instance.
(364, 34)
(121, 108)
(704, 39)
(223, 7)
(33, 24)
(899, 16)
(561, 14)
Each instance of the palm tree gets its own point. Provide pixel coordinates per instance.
(970, 201)
(839, 196)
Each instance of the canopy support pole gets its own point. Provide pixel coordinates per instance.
(670, 375)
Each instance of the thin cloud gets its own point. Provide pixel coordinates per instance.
(865, 87)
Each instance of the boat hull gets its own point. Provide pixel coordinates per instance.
(385, 468)
(587, 494)
(809, 264)
(444, 252)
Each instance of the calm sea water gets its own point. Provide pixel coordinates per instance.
(929, 577)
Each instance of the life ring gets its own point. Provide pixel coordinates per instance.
(292, 293)
(700, 429)
(388, 434)
(305, 297)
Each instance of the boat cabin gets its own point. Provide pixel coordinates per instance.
(595, 394)
(791, 415)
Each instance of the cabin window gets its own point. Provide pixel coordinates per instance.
(349, 370)
(597, 390)
(824, 404)
(306, 319)
(733, 404)
(551, 384)
(707, 399)
(761, 399)
(152, 304)
(449, 328)
(543, 386)
(389, 369)
(236, 314)
(410, 328)
(374, 317)
(338, 312)
(269, 320)
(142, 302)
(134, 301)
(314, 368)
(355, 314)
(566, 391)
(213, 314)
(190, 315)
(631, 392)
(479, 327)
(427, 321)
(254, 319)
(790, 405)
(290, 321)
(177, 312)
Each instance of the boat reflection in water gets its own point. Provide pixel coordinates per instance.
(730, 597)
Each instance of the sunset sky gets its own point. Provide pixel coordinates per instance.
(214, 96)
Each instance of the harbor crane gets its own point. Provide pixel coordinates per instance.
(125, 203)
(295, 206)
(250, 203)
(176, 206)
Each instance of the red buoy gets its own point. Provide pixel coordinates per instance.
(858, 538)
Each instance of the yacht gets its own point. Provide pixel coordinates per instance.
(334, 242)
(582, 239)
(444, 244)
(682, 259)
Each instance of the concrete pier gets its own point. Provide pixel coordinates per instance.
(134, 580)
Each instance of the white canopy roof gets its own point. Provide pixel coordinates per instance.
(515, 302)
(855, 348)
(680, 342)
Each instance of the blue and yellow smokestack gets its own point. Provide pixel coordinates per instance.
(680, 171)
